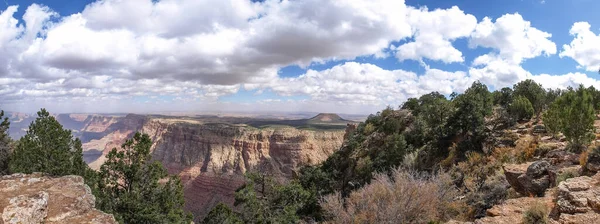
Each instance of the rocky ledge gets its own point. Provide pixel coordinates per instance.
(35, 198)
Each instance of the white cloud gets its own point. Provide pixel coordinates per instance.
(584, 48)
(368, 84)
(434, 31)
(566, 80)
(513, 38)
(195, 51)
(497, 72)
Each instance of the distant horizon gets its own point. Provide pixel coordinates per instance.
(200, 113)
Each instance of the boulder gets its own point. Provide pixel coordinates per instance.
(538, 129)
(530, 179)
(35, 198)
(593, 162)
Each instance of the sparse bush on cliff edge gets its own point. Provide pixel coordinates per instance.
(405, 197)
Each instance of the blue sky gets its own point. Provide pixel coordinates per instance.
(305, 55)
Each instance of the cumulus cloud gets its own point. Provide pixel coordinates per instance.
(512, 40)
(363, 83)
(434, 31)
(566, 80)
(584, 47)
(197, 51)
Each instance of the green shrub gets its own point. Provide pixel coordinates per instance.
(521, 108)
(536, 214)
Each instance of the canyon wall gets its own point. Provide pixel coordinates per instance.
(211, 158)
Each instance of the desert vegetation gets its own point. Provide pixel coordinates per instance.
(438, 158)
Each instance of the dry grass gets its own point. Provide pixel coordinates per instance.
(583, 159)
(406, 197)
(536, 214)
(526, 149)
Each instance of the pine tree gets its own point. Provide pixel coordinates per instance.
(130, 186)
(5, 142)
(573, 114)
(578, 115)
(48, 148)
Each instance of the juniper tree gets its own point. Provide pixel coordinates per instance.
(136, 189)
(48, 148)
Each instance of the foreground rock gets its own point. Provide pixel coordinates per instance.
(578, 200)
(36, 198)
(512, 210)
(530, 179)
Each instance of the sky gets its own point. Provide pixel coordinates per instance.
(340, 56)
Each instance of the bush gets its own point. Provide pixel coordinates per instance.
(494, 191)
(533, 92)
(527, 147)
(536, 214)
(406, 197)
(521, 108)
(573, 114)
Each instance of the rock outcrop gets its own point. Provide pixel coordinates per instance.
(593, 163)
(530, 179)
(578, 199)
(36, 198)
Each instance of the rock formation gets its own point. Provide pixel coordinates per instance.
(39, 199)
(211, 158)
(578, 200)
(530, 179)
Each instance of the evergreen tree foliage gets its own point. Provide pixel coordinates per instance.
(521, 108)
(468, 119)
(130, 186)
(595, 96)
(503, 97)
(48, 148)
(573, 114)
(221, 214)
(263, 200)
(533, 92)
(552, 95)
(552, 118)
(5, 144)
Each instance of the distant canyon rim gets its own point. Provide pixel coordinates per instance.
(210, 153)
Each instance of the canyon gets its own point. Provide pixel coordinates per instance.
(209, 153)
